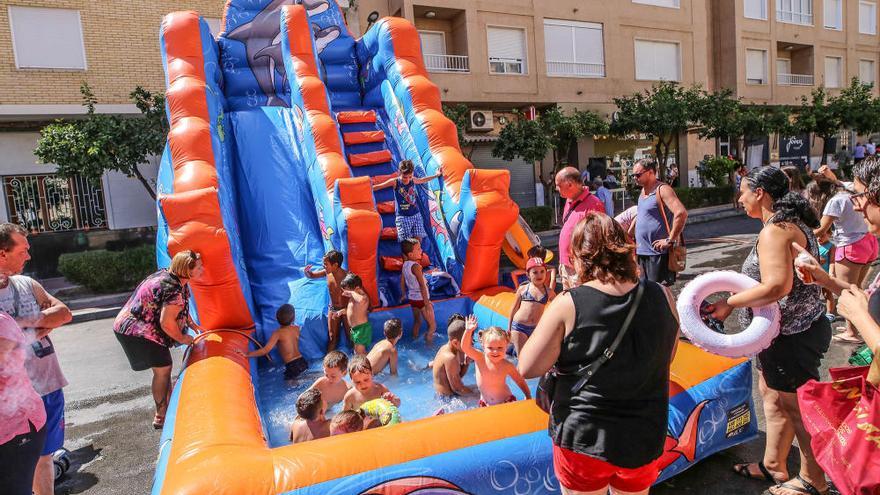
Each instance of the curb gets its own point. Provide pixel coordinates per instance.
(92, 314)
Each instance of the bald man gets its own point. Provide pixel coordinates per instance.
(578, 201)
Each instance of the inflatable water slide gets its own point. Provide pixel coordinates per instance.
(278, 129)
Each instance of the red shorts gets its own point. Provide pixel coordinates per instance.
(580, 472)
(417, 304)
(860, 252)
(512, 398)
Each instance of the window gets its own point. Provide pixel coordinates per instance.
(507, 50)
(795, 11)
(783, 66)
(573, 49)
(833, 69)
(756, 9)
(48, 203)
(657, 60)
(834, 14)
(867, 17)
(756, 66)
(47, 38)
(866, 71)
(214, 25)
(660, 3)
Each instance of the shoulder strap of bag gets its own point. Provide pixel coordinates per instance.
(590, 370)
(574, 204)
(663, 214)
(874, 371)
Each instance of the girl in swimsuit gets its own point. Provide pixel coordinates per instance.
(528, 307)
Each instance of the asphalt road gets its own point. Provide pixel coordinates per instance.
(114, 448)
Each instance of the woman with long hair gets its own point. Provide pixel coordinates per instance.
(794, 356)
(595, 446)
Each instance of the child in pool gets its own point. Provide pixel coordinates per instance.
(365, 388)
(333, 385)
(338, 300)
(450, 364)
(493, 368)
(531, 297)
(346, 422)
(357, 312)
(287, 339)
(385, 351)
(412, 283)
(310, 423)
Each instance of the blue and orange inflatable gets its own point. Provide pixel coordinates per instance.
(278, 128)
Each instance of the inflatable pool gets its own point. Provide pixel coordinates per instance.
(277, 128)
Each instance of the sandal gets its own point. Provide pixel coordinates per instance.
(807, 488)
(158, 422)
(847, 340)
(765, 475)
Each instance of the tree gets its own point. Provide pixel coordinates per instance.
(821, 115)
(858, 108)
(90, 146)
(663, 112)
(763, 120)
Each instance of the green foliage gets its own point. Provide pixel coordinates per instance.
(819, 114)
(553, 130)
(720, 114)
(99, 142)
(108, 271)
(858, 108)
(716, 170)
(698, 197)
(458, 113)
(539, 218)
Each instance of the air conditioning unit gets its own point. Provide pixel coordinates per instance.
(481, 120)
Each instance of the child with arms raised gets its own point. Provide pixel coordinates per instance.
(408, 219)
(286, 337)
(493, 368)
(333, 385)
(385, 351)
(338, 300)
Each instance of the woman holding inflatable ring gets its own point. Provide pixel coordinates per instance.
(794, 356)
(854, 304)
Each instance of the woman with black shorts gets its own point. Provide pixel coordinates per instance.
(794, 356)
(154, 319)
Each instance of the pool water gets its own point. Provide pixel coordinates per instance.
(414, 386)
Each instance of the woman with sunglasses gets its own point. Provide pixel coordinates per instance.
(794, 356)
(154, 319)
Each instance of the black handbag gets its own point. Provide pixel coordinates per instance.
(546, 390)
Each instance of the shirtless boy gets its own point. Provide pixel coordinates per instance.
(346, 422)
(492, 365)
(333, 385)
(286, 337)
(335, 315)
(385, 351)
(450, 364)
(310, 422)
(365, 388)
(357, 313)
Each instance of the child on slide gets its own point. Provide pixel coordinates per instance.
(414, 287)
(493, 368)
(529, 304)
(408, 219)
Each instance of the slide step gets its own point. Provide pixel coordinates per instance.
(371, 158)
(388, 234)
(356, 117)
(385, 207)
(395, 263)
(363, 137)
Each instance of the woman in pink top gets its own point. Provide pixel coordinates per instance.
(22, 416)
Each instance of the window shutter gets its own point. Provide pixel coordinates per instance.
(866, 71)
(832, 72)
(506, 43)
(558, 43)
(756, 66)
(656, 60)
(433, 43)
(833, 14)
(756, 9)
(867, 18)
(47, 38)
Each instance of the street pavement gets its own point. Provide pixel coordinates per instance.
(109, 408)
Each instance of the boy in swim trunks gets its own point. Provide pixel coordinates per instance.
(336, 313)
(357, 313)
(346, 422)
(365, 388)
(450, 364)
(412, 283)
(529, 304)
(310, 423)
(385, 351)
(333, 385)
(287, 339)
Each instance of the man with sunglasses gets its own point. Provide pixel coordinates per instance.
(578, 201)
(654, 233)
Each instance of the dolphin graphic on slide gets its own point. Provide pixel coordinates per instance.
(324, 37)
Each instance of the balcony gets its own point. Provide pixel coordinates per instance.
(792, 17)
(446, 63)
(575, 69)
(794, 79)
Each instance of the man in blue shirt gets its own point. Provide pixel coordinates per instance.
(604, 195)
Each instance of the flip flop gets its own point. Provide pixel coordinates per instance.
(158, 422)
(743, 470)
(847, 340)
(807, 488)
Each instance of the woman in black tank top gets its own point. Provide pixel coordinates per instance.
(611, 432)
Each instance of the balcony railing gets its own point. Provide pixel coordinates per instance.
(794, 79)
(575, 69)
(446, 63)
(790, 17)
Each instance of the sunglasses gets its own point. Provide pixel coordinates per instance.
(636, 176)
(856, 198)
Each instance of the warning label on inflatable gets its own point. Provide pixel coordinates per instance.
(738, 419)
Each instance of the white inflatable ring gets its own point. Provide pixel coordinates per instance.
(757, 337)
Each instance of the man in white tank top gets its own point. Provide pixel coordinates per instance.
(37, 313)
